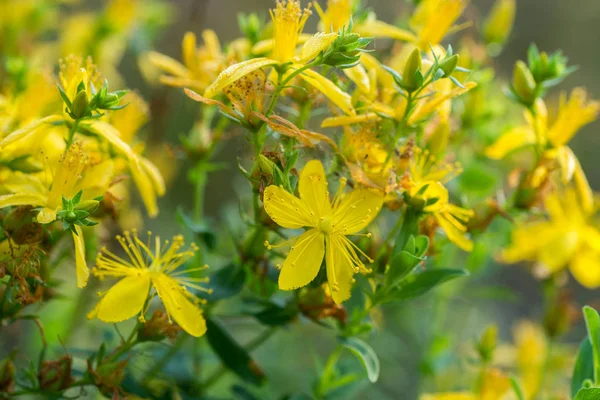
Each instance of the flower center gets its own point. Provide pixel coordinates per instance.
(326, 225)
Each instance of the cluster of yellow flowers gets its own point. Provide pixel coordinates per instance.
(394, 128)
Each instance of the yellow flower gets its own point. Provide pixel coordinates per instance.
(427, 179)
(532, 350)
(147, 268)
(72, 174)
(499, 23)
(73, 71)
(566, 238)
(329, 223)
(433, 20)
(573, 114)
(200, 67)
(288, 22)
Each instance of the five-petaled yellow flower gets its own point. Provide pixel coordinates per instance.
(147, 268)
(329, 223)
(567, 238)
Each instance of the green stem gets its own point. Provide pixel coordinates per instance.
(72, 132)
(200, 186)
(410, 227)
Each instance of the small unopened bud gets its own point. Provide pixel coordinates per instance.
(88, 205)
(523, 83)
(70, 216)
(487, 343)
(266, 166)
(449, 65)
(499, 23)
(411, 70)
(79, 106)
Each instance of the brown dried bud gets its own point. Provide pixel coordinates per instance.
(158, 328)
(56, 375)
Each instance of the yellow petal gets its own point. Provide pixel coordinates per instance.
(303, 262)
(567, 161)
(356, 210)
(359, 76)
(124, 300)
(153, 174)
(178, 305)
(456, 235)
(344, 120)
(312, 187)
(169, 65)
(36, 127)
(585, 267)
(510, 141)
(22, 199)
(586, 194)
(285, 209)
(315, 45)
(211, 42)
(211, 102)
(330, 90)
(182, 82)
(379, 29)
(83, 272)
(111, 135)
(46, 215)
(340, 272)
(573, 114)
(145, 186)
(188, 50)
(236, 72)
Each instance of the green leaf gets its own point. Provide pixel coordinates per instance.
(233, 356)
(517, 388)
(202, 231)
(592, 322)
(422, 282)
(401, 264)
(584, 366)
(588, 394)
(366, 356)
(226, 282)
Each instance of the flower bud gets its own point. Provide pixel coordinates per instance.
(79, 107)
(449, 65)
(523, 83)
(438, 140)
(487, 343)
(266, 166)
(90, 206)
(499, 23)
(413, 67)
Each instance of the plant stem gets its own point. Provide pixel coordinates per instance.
(72, 132)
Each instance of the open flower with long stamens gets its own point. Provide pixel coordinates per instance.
(71, 174)
(288, 23)
(150, 265)
(328, 225)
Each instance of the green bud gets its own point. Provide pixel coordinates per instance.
(413, 66)
(487, 343)
(88, 205)
(449, 65)
(79, 107)
(345, 50)
(523, 83)
(547, 69)
(70, 216)
(498, 24)
(266, 166)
